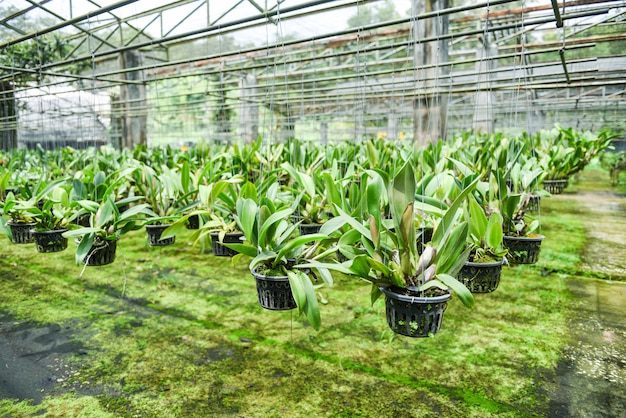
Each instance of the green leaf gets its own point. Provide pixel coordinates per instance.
(88, 205)
(332, 192)
(372, 154)
(83, 247)
(325, 266)
(134, 211)
(185, 177)
(375, 188)
(105, 214)
(308, 184)
(375, 293)
(271, 222)
(332, 225)
(407, 229)
(494, 232)
(374, 232)
(534, 226)
(174, 229)
(297, 289)
(99, 178)
(354, 224)
(244, 249)
(402, 192)
(247, 211)
(478, 219)
(360, 267)
(447, 221)
(510, 207)
(299, 242)
(311, 308)
(458, 288)
(80, 232)
(451, 248)
(463, 168)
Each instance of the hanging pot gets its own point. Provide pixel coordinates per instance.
(534, 203)
(555, 186)
(308, 229)
(193, 222)
(230, 238)
(523, 250)
(154, 235)
(414, 316)
(102, 252)
(22, 232)
(50, 241)
(83, 220)
(481, 277)
(274, 292)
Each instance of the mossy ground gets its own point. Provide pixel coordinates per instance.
(171, 332)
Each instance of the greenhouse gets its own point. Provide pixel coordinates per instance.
(333, 208)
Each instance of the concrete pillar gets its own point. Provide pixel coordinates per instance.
(133, 101)
(8, 117)
(286, 125)
(117, 122)
(324, 132)
(484, 101)
(392, 124)
(249, 109)
(430, 109)
(222, 113)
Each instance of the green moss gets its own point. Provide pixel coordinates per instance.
(172, 332)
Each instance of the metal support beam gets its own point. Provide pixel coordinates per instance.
(564, 64)
(557, 13)
(66, 23)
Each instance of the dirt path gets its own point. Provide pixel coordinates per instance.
(591, 378)
(605, 224)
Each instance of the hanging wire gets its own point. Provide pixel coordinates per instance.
(358, 113)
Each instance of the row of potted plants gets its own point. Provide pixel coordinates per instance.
(374, 214)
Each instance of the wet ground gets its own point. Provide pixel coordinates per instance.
(605, 224)
(591, 377)
(33, 359)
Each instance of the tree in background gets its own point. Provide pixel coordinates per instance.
(367, 15)
(16, 61)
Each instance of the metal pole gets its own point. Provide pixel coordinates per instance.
(69, 22)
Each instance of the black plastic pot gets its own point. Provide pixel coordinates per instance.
(412, 316)
(274, 292)
(523, 250)
(481, 277)
(154, 235)
(534, 203)
(50, 241)
(83, 220)
(555, 186)
(22, 232)
(193, 222)
(230, 238)
(102, 252)
(308, 229)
